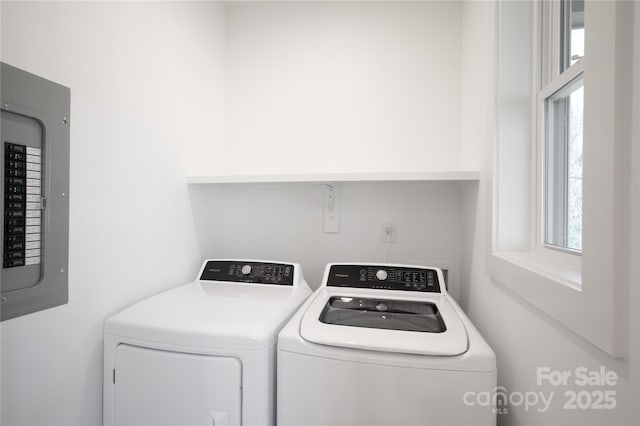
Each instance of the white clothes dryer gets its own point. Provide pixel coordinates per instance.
(203, 353)
(383, 345)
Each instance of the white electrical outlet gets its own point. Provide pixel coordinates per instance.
(389, 231)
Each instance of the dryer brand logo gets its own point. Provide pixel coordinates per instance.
(585, 390)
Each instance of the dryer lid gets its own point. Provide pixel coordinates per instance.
(374, 321)
(211, 315)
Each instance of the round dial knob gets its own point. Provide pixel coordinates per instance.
(381, 274)
(246, 269)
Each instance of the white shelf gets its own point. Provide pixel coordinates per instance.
(440, 176)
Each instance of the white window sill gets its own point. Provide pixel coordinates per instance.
(546, 266)
(556, 288)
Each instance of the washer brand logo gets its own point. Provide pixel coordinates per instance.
(582, 398)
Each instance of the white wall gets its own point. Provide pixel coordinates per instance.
(148, 103)
(284, 222)
(343, 86)
(147, 87)
(523, 337)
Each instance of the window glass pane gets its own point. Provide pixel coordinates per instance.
(563, 167)
(572, 30)
(576, 115)
(577, 45)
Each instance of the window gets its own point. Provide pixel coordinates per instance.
(561, 96)
(552, 106)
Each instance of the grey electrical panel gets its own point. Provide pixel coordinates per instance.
(35, 192)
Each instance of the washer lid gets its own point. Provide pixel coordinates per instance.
(380, 321)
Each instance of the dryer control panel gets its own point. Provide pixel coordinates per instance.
(384, 277)
(248, 272)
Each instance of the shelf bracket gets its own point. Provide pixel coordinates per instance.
(331, 210)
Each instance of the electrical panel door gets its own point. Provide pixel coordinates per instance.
(35, 188)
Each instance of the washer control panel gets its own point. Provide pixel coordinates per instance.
(248, 272)
(384, 277)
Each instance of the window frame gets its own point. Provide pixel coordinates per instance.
(554, 74)
(583, 293)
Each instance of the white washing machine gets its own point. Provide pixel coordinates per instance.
(383, 345)
(203, 353)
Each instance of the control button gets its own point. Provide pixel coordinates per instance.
(246, 269)
(381, 274)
